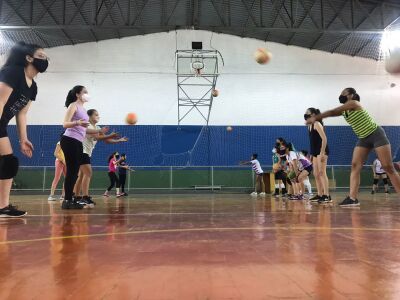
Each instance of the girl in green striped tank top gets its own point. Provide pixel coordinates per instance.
(371, 136)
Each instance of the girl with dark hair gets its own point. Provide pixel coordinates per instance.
(258, 171)
(379, 173)
(113, 161)
(299, 169)
(89, 143)
(123, 167)
(281, 145)
(319, 152)
(76, 123)
(371, 136)
(278, 168)
(17, 90)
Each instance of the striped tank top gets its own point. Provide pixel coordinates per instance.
(361, 122)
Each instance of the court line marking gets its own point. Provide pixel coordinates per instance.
(342, 211)
(200, 230)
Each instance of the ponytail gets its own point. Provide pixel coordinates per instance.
(315, 111)
(17, 54)
(71, 97)
(111, 156)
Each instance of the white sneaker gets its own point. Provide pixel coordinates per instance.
(61, 198)
(262, 194)
(51, 198)
(253, 194)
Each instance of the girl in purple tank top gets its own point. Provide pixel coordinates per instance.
(76, 122)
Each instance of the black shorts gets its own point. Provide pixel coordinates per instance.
(309, 169)
(85, 160)
(280, 175)
(316, 154)
(3, 131)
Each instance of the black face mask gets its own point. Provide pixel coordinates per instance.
(307, 116)
(40, 64)
(342, 99)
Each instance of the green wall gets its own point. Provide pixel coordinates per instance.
(182, 178)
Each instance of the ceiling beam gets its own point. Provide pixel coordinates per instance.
(337, 13)
(250, 12)
(172, 12)
(365, 44)
(15, 11)
(307, 13)
(78, 11)
(139, 14)
(279, 13)
(220, 16)
(47, 9)
(205, 27)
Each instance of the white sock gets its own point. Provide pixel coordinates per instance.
(307, 184)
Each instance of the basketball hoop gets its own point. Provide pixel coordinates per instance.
(197, 66)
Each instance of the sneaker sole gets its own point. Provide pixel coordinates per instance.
(350, 205)
(8, 216)
(72, 208)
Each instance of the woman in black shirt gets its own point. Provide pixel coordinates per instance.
(319, 152)
(17, 91)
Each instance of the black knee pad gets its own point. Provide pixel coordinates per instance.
(376, 181)
(8, 166)
(385, 181)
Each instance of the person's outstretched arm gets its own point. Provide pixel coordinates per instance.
(335, 112)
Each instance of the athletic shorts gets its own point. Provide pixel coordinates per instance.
(280, 175)
(3, 131)
(309, 169)
(316, 154)
(376, 139)
(85, 159)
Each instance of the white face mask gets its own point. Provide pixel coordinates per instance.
(85, 97)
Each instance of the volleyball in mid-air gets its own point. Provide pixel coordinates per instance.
(262, 56)
(215, 93)
(392, 61)
(131, 118)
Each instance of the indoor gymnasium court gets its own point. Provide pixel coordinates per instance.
(199, 149)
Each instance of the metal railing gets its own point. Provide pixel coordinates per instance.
(40, 178)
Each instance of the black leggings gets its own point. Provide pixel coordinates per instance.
(122, 180)
(73, 151)
(113, 180)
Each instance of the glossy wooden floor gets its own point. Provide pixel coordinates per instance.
(202, 247)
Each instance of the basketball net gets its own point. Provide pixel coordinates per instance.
(197, 72)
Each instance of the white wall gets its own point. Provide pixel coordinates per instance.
(138, 74)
